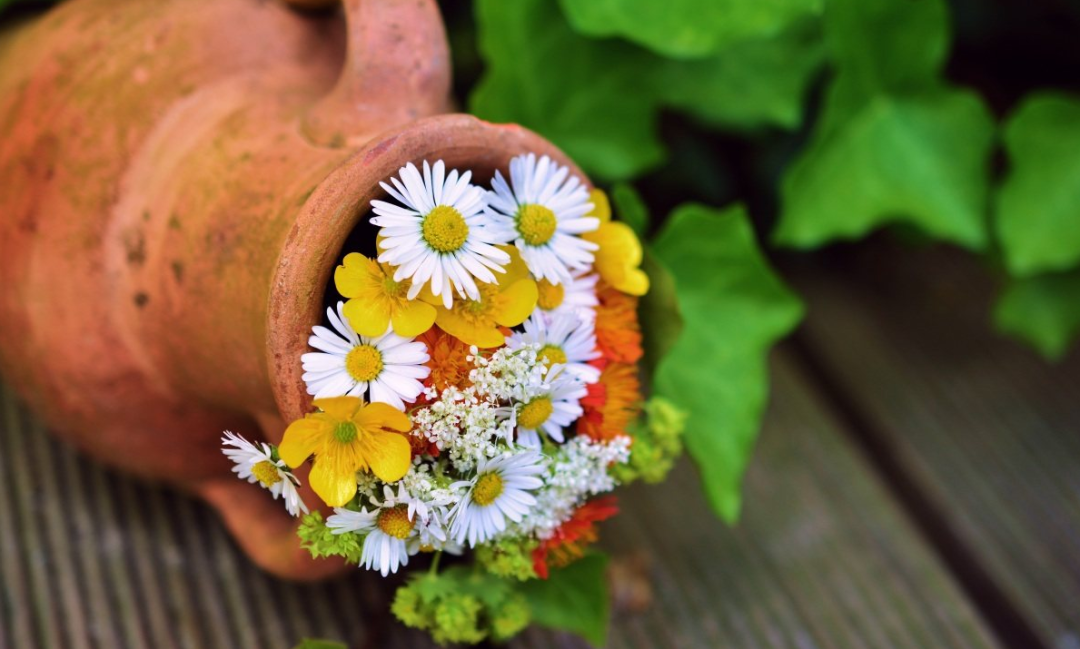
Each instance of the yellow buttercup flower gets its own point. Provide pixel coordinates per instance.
(506, 303)
(619, 258)
(346, 437)
(377, 301)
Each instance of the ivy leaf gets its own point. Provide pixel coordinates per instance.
(1038, 205)
(687, 28)
(585, 96)
(888, 45)
(920, 159)
(1043, 311)
(750, 85)
(600, 100)
(574, 598)
(735, 308)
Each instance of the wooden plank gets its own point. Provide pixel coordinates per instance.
(823, 558)
(986, 434)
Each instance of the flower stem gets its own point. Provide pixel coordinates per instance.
(435, 563)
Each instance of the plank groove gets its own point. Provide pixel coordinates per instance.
(823, 558)
(983, 430)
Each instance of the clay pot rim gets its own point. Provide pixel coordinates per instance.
(313, 247)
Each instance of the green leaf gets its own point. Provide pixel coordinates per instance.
(587, 97)
(753, 84)
(659, 315)
(309, 643)
(735, 308)
(888, 45)
(630, 209)
(599, 100)
(918, 159)
(687, 28)
(1043, 311)
(574, 598)
(1038, 205)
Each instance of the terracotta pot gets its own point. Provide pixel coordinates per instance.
(179, 179)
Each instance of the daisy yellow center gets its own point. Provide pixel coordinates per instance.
(395, 522)
(550, 295)
(536, 224)
(444, 229)
(552, 355)
(488, 487)
(364, 363)
(345, 432)
(535, 413)
(266, 473)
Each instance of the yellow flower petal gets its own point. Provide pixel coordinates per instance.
(518, 301)
(413, 319)
(336, 488)
(481, 335)
(515, 270)
(368, 317)
(636, 282)
(356, 274)
(388, 455)
(382, 415)
(601, 206)
(302, 438)
(340, 408)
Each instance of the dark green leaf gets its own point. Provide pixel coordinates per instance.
(590, 98)
(918, 159)
(630, 209)
(888, 45)
(687, 28)
(658, 312)
(574, 598)
(735, 308)
(1038, 205)
(1043, 311)
(750, 85)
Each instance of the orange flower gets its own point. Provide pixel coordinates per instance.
(612, 405)
(618, 334)
(572, 537)
(448, 362)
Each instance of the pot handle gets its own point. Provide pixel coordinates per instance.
(397, 69)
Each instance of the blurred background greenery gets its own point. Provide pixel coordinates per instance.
(746, 127)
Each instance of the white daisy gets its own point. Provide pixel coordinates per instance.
(576, 296)
(543, 211)
(256, 463)
(389, 366)
(553, 406)
(499, 491)
(439, 234)
(564, 340)
(387, 532)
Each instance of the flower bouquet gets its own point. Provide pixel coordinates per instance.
(476, 393)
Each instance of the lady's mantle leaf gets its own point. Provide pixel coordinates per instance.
(574, 598)
(687, 28)
(1043, 311)
(734, 308)
(1038, 206)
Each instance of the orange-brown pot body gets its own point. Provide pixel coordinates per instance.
(177, 179)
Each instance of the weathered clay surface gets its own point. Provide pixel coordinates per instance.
(178, 179)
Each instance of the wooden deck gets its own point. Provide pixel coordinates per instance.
(917, 484)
